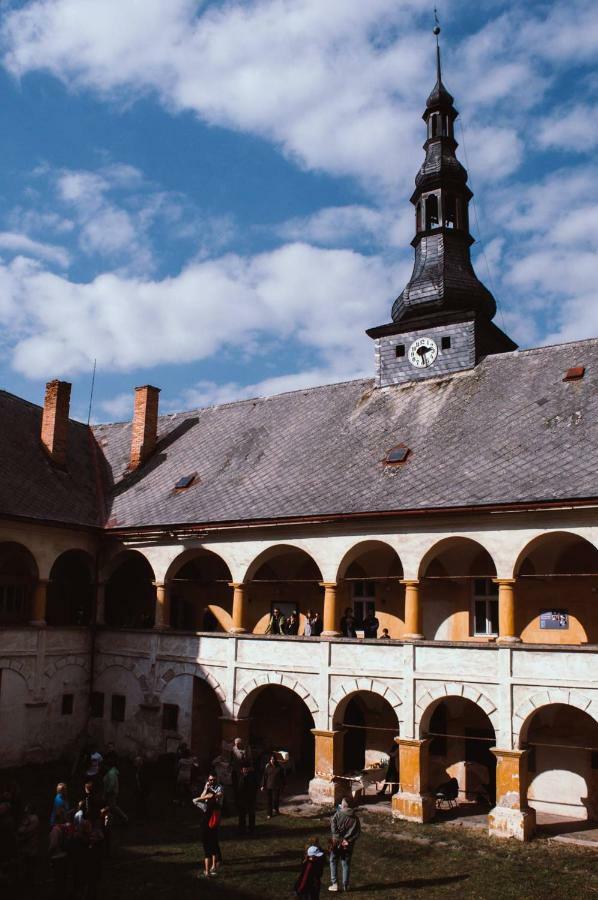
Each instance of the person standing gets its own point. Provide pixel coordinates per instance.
(317, 626)
(272, 784)
(307, 626)
(111, 789)
(276, 623)
(61, 802)
(291, 625)
(246, 798)
(345, 828)
(210, 802)
(347, 624)
(308, 885)
(370, 625)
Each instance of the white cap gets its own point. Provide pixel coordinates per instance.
(314, 851)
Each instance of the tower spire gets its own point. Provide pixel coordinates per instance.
(437, 30)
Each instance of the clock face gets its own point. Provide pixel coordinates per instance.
(423, 352)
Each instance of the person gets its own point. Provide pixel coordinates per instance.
(307, 626)
(370, 625)
(210, 802)
(272, 784)
(239, 756)
(276, 623)
(142, 786)
(246, 797)
(291, 625)
(79, 816)
(57, 852)
(385, 636)
(309, 882)
(347, 624)
(313, 624)
(345, 828)
(391, 778)
(110, 786)
(95, 764)
(61, 801)
(88, 798)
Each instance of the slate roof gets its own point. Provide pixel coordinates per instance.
(508, 431)
(30, 485)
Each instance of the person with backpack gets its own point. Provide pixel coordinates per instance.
(345, 828)
(307, 886)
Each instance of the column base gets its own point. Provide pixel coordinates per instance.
(324, 792)
(413, 807)
(237, 631)
(412, 637)
(512, 823)
(508, 640)
(331, 634)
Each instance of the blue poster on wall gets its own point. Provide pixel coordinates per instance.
(554, 619)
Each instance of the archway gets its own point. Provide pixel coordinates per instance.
(71, 589)
(459, 596)
(206, 724)
(461, 735)
(369, 579)
(285, 577)
(18, 576)
(557, 579)
(130, 599)
(562, 763)
(201, 598)
(370, 725)
(281, 721)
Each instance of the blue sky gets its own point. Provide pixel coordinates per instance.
(213, 196)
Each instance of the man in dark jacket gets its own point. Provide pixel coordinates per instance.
(272, 784)
(370, 625)
(276, 623)
(246, 795)
(345, 828)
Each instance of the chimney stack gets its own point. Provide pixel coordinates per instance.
(55, 420)
(145, 425)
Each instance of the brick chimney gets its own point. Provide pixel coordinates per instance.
(145, 424)
(55, 420)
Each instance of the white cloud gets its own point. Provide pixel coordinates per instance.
(344, 225)
(292, 294)
(21, 243)
(119, 407)
(571, 128)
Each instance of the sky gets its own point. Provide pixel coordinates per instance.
(213, 197)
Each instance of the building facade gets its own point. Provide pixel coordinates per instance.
(454, 495)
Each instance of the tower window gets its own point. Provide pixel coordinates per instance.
(449, 204)
(445, 343)
(400, 350)
(431, 211)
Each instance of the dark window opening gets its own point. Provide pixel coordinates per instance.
(397, 455)
(400, 350)
(117, 712)
(185, 482)
(449, 204)
(170, 717)
(431, 211)
(445, 343)
(68, 701)
(435, 122)
(96, 705)
(531, 759)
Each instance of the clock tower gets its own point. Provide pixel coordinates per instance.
(442, 320)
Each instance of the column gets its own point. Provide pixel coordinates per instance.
(511, 817)
(328, 763)
(413, 614)
(239, 617)
(331, 616)
(414, 803)
(101, 603)
(506, 610)
(162, 617)
(235, 728)
(40, 594)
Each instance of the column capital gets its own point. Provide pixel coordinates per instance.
(411, 582)
(509, 754)
(328, 584)
(237, 585)
(505, 581)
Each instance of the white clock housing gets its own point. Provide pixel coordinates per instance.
(423, 352)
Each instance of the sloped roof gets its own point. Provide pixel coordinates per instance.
(508, 431)
(30, 485)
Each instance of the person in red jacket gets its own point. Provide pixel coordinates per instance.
(308, 885)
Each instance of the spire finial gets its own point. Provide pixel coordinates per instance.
(437, 32)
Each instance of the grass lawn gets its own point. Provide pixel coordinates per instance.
(161, 858)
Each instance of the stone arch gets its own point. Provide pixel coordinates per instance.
(199, 588)
(19, 575)
(245, 695)
(19, 668)
(118, 557)
(274, 550)
(55, 666)
(194, 670)
(71, 588)
(550, 696)
(454, 542)
(357, 549)
(549, 537)
(372, 685)
(130, 593)
(431, 697)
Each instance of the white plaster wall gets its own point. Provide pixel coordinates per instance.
(561, 786)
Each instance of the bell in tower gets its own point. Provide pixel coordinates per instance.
(442, 320)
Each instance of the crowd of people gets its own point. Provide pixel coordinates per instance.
(313, 625)
(78, 831)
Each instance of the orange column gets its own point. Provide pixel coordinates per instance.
(328, 763)
(511, 817)
(162, 617)
(506, 610)
(239, 616)
(331, 616)
(414, 801)
(413, 614)
(38, 613)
